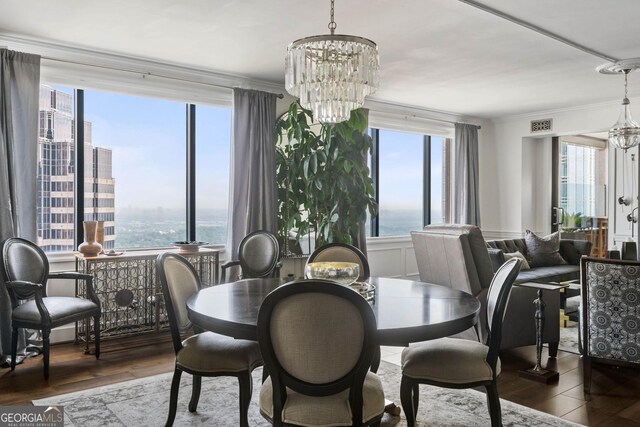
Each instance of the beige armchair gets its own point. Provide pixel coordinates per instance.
(456, 256)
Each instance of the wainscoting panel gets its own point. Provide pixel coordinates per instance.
(392, 257)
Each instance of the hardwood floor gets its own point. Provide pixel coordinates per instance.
(614, 401)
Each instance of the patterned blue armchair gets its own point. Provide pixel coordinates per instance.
(610, 313)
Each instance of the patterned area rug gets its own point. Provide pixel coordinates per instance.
(144, 402)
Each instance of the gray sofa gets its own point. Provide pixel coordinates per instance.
(457, 256)
(571, 251)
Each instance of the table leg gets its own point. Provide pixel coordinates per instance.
(538, 373)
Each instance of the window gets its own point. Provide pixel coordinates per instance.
(135, 169)
(213, 132)
(410, 174)
(55, 212)
(137, 145)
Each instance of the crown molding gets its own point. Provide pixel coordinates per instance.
(538, 114)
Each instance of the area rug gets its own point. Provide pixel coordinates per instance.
(569, 334)
(144, 402)
(569, 338)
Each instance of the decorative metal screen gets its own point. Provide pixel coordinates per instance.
(130, 293)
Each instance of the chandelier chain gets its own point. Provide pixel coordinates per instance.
(625, 100)
(332, 24)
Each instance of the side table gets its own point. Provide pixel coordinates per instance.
(538, 373)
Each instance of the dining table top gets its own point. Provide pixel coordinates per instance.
(406, 310)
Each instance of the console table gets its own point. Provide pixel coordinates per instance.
(130, 293)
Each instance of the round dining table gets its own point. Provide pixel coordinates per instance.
(406, 311)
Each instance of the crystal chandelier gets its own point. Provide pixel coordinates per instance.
(625, 133)
(331, 73)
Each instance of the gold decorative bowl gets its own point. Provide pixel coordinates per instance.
(345, 273)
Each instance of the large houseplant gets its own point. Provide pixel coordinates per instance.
(324, 184)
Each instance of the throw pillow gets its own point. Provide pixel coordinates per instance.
(517, 254)
(543, 251)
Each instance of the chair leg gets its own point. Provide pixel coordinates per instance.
(407, 390)
(553, 349)
(586, 374)
(173, 398)
(96, 335)
(246, 389)
(14, 347)
(195, 393)
(494, 404)
(45, 351)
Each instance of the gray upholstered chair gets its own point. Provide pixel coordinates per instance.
(610, 318)
(456, 256)
(204, 354)
(258, 256)
(25, 271)
(460, 363)
(344, 253)
(318, 340)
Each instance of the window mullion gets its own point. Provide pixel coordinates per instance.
(375, 174)
(191, 173)
(426, 181)
(79, 166)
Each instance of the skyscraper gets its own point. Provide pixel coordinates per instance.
(56, 176)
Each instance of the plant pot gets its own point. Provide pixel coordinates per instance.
(90, 247)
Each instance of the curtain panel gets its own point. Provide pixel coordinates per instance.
(19, 97)
(252, 180)
(466, 208)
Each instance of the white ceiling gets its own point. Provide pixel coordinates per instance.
(436, 54)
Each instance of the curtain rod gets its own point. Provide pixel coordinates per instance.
(143, 74)
(406, 116)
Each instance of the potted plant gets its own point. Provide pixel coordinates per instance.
(324, 184)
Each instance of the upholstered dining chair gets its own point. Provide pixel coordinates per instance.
(25, 271)
(317, 340)
(204, 354)
(258, 256)
(461, 363)
(610, 314)
(342, 252)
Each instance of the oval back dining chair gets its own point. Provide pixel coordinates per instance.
(25, 270)
(204, 354)
(461, 363)
(258, 256)
(342, 252)
(318, 341)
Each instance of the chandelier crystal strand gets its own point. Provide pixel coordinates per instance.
(625, 133)
(331, 74)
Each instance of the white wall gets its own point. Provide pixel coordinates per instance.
(515, 168)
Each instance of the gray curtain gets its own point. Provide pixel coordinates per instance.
(19, 96)
(466, 208)
(252, 180)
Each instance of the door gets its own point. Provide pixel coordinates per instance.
(579, 194)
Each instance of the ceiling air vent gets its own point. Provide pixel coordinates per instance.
(543, 125)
